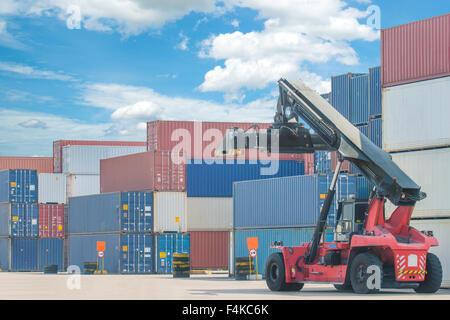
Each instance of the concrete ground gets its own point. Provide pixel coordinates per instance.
(161, 287)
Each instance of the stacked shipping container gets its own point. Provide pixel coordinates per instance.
(283, 209)
(415, 76)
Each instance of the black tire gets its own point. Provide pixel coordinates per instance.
(275, 275)
(50, 269)
(346, 287)
(433, 277)
(359, 275)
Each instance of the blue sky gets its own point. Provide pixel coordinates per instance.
(78, 69)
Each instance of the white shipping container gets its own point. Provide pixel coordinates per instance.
(416, 115)
(82, 185)
(209, 214)
(441, 230)
(52, 187)
(430, 170)
(169, 212)
(86, 159)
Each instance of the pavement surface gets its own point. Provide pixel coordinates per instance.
(164, 287)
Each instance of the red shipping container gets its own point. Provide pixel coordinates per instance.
(59, 144)
(145, 171)
(201, 137)
(209, 249)
(51, 221)
(40, 164)
(334, 161)
(415, 51)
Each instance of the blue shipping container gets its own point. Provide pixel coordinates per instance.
(166, 245)
(364, 129)
(322, 162)
(24, 254)
(216, 180)
(18, 185)
(111, 212)
(364, 187)
(287, 202)
(266, 237)
(376, 133)
(19, 219)
(340, 93)
(124, 253)
(375, 91)
(4, 253)
(359, 100)
(51, 252)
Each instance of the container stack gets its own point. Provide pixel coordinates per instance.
(283, 210)
(415, 73)
(19, 226)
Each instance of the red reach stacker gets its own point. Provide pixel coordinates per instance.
(369, 252)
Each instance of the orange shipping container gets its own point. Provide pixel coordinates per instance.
(40, 164)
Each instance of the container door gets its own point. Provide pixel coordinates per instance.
(14, 219)
(13, 186)
(51, 252)
(148, 212)
(24, 254)
(126, 256)
(147, 249)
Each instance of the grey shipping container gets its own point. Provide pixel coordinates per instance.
(124, 253)
(287, 202)
(111, 212)
(86, 159)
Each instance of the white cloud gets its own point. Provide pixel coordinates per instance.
(183, 43)
(7, 39)
(137, 104)
(295, 33)
(33, 123)
(128, 17)
(33, 73)
(235, 23)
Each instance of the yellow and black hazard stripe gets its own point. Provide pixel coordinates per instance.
(401, 272)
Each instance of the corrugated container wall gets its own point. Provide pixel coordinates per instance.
(51, 252)
(195, 136)
(82, 185)
(216, 180)
(364, 129)
(24, 255)
(151, 171)
(19, 219)
(111, 212)
(359, 99)
(86, 159)
(415, 51)
(40, 164)
(266, 237)
(430, 170)
(326, 161)
(364, 187)
(51, 221)
(209, 214)
(376, 132)
(340, 93)
(287, 202)
(4, 253)
(19, 185)
(59, 144)
(210, 249)
(169, 212)
(416, 115)
(124, 253)
(52, 187)
(440, 230)
(165, 246)
(375, 92)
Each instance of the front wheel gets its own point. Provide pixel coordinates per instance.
(433, 277)
(361, 272)
(275, 275)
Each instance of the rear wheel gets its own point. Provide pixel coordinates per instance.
(433, 277)
(360, 272)
(275, 275)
